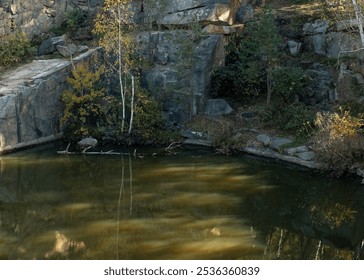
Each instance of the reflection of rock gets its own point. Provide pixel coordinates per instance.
(6, 195)
(216, 231)
(64, 246)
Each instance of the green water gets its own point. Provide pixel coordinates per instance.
(191, 205)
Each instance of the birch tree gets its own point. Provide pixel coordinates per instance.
(115, 27)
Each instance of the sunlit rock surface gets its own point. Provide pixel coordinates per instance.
(30, 106)
(36, 17)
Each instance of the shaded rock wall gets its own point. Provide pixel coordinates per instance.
(185, 88)
(339, 43)
(30, 107)
(182, 90)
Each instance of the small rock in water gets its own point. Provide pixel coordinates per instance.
(87, 142)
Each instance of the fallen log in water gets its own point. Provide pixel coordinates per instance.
(84, 152)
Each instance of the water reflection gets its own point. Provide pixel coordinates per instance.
(173, 207)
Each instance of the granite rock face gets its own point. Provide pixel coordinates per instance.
(180, 72)
(35, 17)
(183, 62)
(184, 12)
(32, 16)
(181, 80)
(30, 107)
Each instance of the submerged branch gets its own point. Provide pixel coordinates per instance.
(84, 152)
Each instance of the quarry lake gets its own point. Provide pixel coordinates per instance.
(189, 205)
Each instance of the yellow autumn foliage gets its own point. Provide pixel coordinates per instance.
(338, 142)
(82, 102)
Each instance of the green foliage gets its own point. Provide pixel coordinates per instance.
(287, 82)
(14, 48)
(89, 111)
(75, 19)
(83, 103)
(291, 118)
(250, 61)
(242, 77)
(149, 122)
(282, 112)
(355, 108)
(115, 29)
(338, 142)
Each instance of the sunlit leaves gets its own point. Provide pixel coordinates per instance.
(83, 102)
(338, 142)
(115, 29)
(13, 48)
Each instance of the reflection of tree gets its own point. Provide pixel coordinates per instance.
(121, 196)
(331, 213)
(308, 221)
(119, 205)
(287, 244)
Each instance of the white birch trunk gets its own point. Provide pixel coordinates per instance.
(132, 103)
(122, 93)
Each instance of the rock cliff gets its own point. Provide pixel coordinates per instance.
(184, 42)
(185, 47)
(35, 17)
(30, 106)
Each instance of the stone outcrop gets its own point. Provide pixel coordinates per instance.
(320, 87)
(217, 107)
(349, 76)
(29, 96)
(35, 17)
(185, 12)
(183, 82)
(339, 42)
(30, 107)
(183, 61)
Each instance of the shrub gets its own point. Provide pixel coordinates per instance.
(221, 132)
(355, 108)
(287, 82)
(338, 142)
(292, 118)
(83, 108)
(89, 111)
(13, 48)
(149, 122)
(74, 19)
(282, 112)
(250, 60)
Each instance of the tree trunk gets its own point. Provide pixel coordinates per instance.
(122, 93)
(269, 86)
(132, 103)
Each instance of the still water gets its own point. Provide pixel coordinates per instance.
(189, 205)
